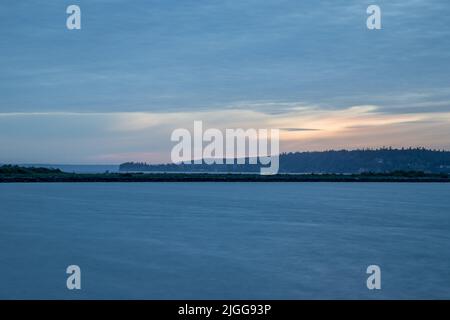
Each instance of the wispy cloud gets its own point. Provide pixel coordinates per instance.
(113, 137)
(298, 129)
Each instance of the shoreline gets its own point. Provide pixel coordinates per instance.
(211, 177)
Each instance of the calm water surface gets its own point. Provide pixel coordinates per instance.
(225, 240)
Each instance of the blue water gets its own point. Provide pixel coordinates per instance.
(225, 240)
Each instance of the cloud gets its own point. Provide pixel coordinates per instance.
(298, 129)
(168, 56)
(113, 137)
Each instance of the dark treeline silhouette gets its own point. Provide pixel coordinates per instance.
(16, 174)
(14, 169)
(333, 161)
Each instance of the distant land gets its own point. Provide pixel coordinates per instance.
(17, 174)
(383, 160)
(76, 168)
(380, 165)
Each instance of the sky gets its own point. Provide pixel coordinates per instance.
(116, 89)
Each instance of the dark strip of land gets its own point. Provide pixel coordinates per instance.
(30, 175)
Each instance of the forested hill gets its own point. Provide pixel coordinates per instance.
(339, 161)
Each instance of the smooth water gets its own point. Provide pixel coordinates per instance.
(225, 240)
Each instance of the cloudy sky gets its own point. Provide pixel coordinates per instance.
(116, 89)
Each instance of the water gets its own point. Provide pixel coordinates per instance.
(225, 240)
